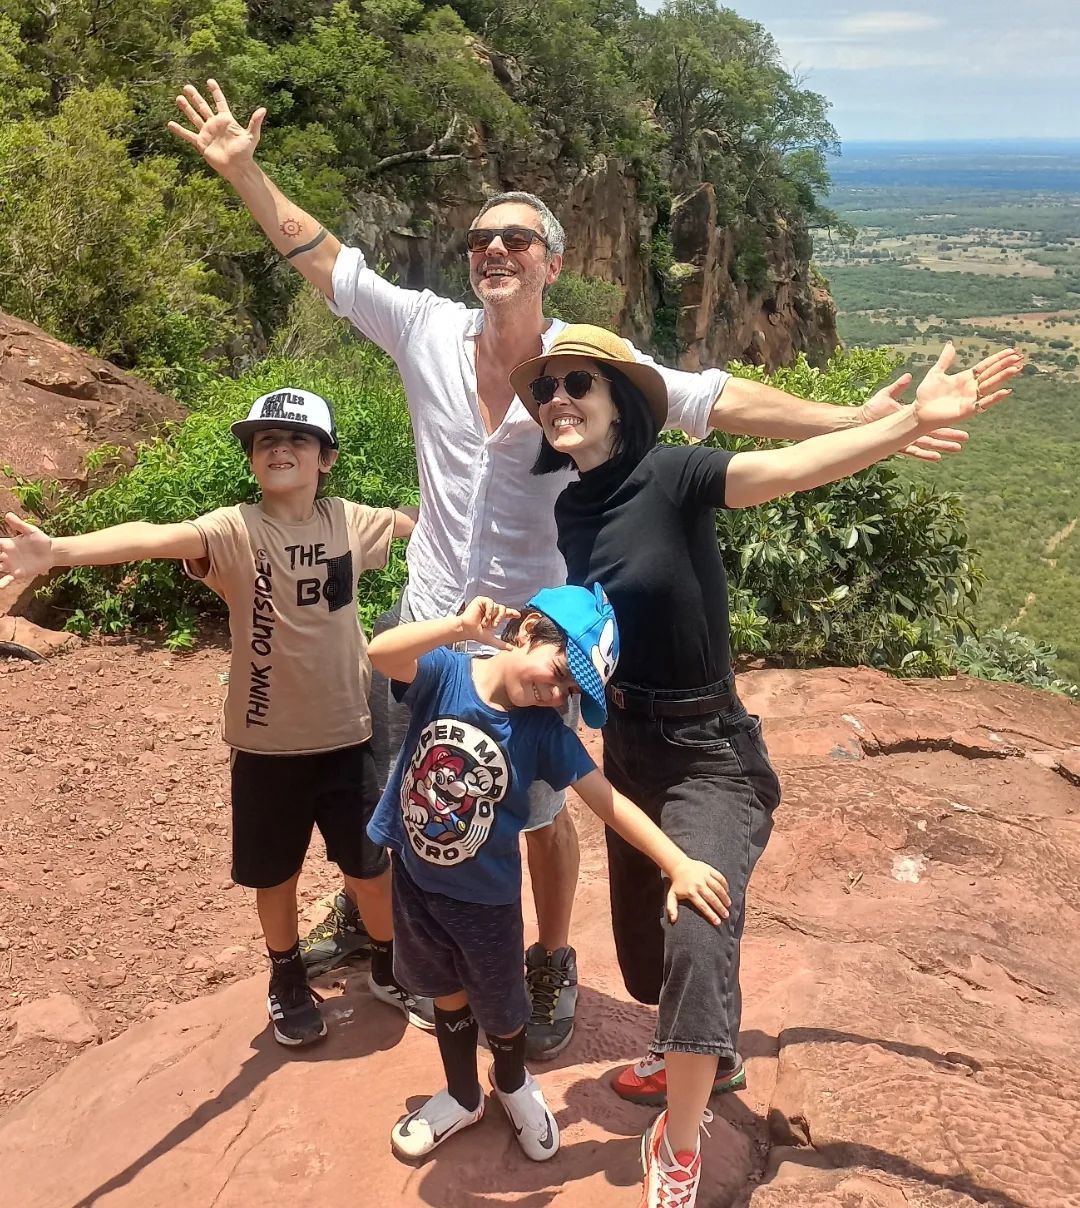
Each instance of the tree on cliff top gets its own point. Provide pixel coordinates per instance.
(393, 96)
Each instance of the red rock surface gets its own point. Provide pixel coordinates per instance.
(912, 995)
(56, 405)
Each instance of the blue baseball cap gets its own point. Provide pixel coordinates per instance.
(592, 641)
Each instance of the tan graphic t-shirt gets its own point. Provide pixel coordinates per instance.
(299, 674)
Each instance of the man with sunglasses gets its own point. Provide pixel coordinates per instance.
(486, 526)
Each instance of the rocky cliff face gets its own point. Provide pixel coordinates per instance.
(57, 404)
(720, 315)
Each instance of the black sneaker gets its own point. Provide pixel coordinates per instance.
(340, 937)
(292, 1007)
(552, 981)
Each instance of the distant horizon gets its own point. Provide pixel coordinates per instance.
(974, 69)
(888, 141)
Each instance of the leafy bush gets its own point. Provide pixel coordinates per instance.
(199, 466)
(108, 253)
(875, 569)
(1010, 657)
(577, 299)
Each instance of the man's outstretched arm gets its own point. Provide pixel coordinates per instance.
(229, 149)
(749, 408)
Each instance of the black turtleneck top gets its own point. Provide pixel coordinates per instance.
(647, 534)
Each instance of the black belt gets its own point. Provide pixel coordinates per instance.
(632, 699)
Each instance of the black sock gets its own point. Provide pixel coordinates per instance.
(509, 1054)
(382, 961)
(456, 1033)
(282, 964)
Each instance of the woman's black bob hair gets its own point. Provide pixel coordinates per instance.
(636, 431)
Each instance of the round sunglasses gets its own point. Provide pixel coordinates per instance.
(578, 383)
(514, 238)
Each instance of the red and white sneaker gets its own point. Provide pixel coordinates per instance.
(646, 1080)
(671, 1179)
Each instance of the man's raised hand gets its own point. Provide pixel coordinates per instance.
(217, 136)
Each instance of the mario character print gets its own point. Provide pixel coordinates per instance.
(450, 791)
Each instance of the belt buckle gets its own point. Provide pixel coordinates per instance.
(618, 698)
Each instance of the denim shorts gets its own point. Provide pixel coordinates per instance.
(443, 945)
(708, 784)
(390, 724)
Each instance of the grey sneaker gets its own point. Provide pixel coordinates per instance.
(420, 1012)
(552, 981)
(340, 937)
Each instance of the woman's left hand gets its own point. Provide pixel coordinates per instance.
(703, 887)
(946, 398)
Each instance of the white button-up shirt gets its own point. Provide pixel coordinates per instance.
(486, 525)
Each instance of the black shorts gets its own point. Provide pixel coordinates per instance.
(277, 799)
(442, 945)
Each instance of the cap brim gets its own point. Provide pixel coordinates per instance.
(593, 703)
(244, 428)
(645, 377)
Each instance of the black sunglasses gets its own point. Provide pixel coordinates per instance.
(578, 383)
(515, 238)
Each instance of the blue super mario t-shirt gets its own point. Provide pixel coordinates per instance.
(457, 798)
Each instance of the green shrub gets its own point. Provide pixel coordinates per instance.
(873, 569)
(1010, 657)
(199, 466)
(577, 299)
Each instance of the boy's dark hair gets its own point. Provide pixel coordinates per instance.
(636, 434)
(545, 630)
(248, 445)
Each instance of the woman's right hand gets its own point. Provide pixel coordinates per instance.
(25, 555)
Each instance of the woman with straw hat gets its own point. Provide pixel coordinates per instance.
(640, 521)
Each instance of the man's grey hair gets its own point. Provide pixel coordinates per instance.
(553, 230)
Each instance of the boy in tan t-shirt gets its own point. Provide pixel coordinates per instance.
(296, 713)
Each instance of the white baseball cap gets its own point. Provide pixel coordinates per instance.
(289, 407)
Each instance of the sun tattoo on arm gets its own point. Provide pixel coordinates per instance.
(291, 228)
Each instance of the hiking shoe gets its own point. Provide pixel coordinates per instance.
(341, 936)
(420, 1012)
(671, 1179)
(646, 1081)
(552, 981)
(534, 1125)
(421, 1131)
(291, 1005)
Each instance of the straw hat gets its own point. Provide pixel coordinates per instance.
(598, 344)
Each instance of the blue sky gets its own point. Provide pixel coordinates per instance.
(934, 70)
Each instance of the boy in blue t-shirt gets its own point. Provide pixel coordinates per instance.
(482, 730)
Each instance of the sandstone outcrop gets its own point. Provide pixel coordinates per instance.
(57, 404)
(912, 996)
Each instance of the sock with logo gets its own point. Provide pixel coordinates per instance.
(382, 961)
(286, 964)
(456, 1032)
(509, 1054)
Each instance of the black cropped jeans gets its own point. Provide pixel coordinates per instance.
(708, 784)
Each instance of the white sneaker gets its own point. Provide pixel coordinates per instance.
(671, 1180)
(535, 1126)
(420, 1012)
(421, 1131)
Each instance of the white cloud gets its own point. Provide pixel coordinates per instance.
(885, 22)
